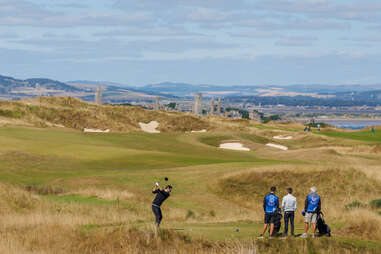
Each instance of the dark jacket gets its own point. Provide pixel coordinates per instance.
(161, 196)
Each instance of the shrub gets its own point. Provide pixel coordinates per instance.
(190, 214)
(212, 213)
(11, 114)
(375, 204)
(354, 204)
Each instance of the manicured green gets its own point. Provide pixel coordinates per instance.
(363, 135)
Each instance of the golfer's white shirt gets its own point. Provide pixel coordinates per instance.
(289, 203)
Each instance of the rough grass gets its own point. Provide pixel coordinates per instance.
(74, 113)
(337, 188)
(93, 170)
(331, 183)
(46, 227)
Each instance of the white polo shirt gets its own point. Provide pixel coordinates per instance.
(289, 203)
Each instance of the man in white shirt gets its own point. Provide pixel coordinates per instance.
(289, 207)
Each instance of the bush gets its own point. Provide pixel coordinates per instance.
(375, 204)
(11, 114)
(212, 213)
(354, 204)
(44, 190)
(190, 214)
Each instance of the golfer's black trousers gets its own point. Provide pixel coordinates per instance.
(157, 211)
(289, 216)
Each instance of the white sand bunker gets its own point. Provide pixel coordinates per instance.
(96, 130)
(150, 127)
(282, 137)
(234, 146)
(201, 131)
(277, 146)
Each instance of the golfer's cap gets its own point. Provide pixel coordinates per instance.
(313, 189)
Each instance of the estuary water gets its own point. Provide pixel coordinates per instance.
(353, 124)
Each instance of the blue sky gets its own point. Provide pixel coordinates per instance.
(226, 42)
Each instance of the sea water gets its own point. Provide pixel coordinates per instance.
(354, 125)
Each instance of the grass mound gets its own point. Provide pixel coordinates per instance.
(74, 113)
(215, 140)
(333, 183)
(376, 149)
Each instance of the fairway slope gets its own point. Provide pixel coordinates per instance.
(65, 191)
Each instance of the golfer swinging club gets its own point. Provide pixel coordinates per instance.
(161, 196)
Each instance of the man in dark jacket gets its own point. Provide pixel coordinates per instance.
(161, 196)
(270, 206)
(312, 208)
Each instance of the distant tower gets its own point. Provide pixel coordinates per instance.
(211, 106)
(38, 89)
(219, 106)
(98, 95)
(157, 105)
(197, 107)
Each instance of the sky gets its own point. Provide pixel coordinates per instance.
(222, 42)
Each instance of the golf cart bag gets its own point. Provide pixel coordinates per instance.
(277, 222)
(322, 227)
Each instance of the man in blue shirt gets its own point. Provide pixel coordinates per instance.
(312, 207)
(270, 206)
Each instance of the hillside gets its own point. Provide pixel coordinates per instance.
(16, 89)
(65, 191)
(76, 114)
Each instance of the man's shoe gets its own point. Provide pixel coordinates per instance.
(260, 236)
(313, 235)
(304, 235)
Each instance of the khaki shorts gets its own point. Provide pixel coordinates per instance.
(311, 218)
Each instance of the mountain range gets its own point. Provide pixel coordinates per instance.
(15, 89)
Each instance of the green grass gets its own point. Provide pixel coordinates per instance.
(364, 135)
(133, 162)
(80, 199)
(34, 156)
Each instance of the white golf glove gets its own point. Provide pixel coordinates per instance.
(157, 184)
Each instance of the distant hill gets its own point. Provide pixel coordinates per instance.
(184, 89)
(10, 85)
(16, 89)
(113, 92)
(363, 93)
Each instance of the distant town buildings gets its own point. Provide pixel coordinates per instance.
(219, 106)
(211, 112)
(254, 115)
(197, 106)
(98, 95)
(157, 104)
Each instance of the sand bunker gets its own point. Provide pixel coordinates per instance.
(277, 146)
(282, 137)
(96, 130)
(150, 127)
(201, 131)
(234, 146)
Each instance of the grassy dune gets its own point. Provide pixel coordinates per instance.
(74, 113)
(59, 187)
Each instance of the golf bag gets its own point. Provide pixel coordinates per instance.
(322, 227)
(277, 221)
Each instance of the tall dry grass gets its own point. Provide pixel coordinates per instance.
(29, 223)
(338, 187)
(74, 113)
